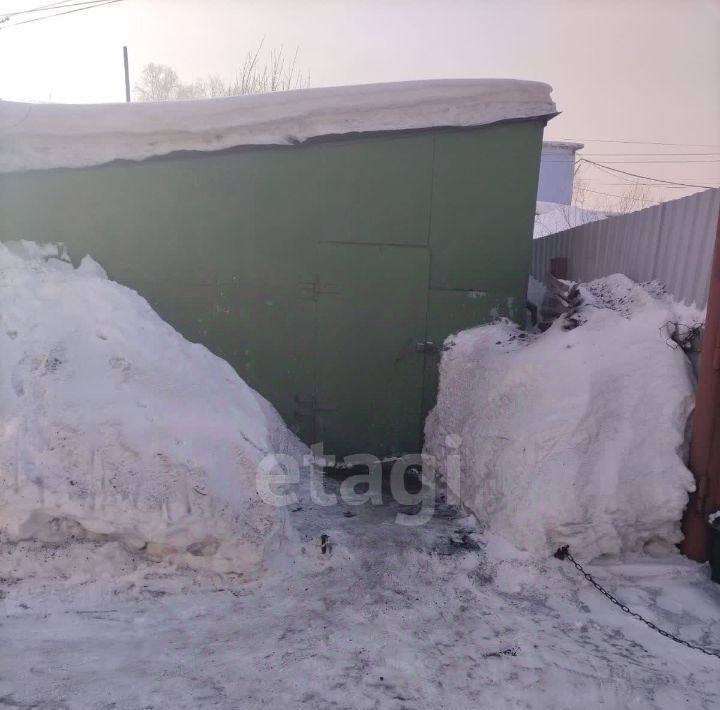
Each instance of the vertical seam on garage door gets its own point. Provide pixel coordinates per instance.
(427, 294)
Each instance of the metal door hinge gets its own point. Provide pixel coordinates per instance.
(313, 289)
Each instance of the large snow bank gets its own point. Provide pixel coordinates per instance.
(37, 136)
(575, 436)
(113, 426)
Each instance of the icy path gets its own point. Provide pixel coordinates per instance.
(394, 618)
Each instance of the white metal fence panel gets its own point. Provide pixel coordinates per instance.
(671, 242)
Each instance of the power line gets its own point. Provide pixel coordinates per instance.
(620, 177)
(630, 142)
(663, 162)
(621, 197)
(637, 162)
(632, 155)
(642, 177)
(87, 6)
(53, 6)
(641, 184)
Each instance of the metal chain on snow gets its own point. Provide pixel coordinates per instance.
(564, 553)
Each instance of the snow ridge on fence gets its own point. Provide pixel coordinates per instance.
(671, 242)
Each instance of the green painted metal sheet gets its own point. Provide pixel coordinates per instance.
(273, 258)
(483, 207)
(369, 370)
(378, 190)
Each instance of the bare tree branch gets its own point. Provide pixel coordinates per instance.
(159, 82)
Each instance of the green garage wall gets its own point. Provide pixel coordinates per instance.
(316, 270)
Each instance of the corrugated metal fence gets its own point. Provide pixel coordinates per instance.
(671, 242)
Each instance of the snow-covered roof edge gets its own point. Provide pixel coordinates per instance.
(43, 136)
(564, 145)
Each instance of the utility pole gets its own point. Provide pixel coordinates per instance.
(127, 75)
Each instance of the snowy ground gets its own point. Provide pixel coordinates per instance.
(441, 615)
(394, 617)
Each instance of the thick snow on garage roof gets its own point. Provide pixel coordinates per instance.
(41, 136)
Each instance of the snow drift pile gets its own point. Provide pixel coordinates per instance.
(574, 436)
(41, 136)
(112, 426)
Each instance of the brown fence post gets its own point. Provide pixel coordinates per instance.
(705, 441)
(559, 267)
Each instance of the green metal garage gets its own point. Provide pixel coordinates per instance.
(325, 242)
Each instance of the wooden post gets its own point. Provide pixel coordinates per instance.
(127, 75)
(705, 441)
(559, 267)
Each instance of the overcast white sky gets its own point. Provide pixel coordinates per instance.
(634, 70)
